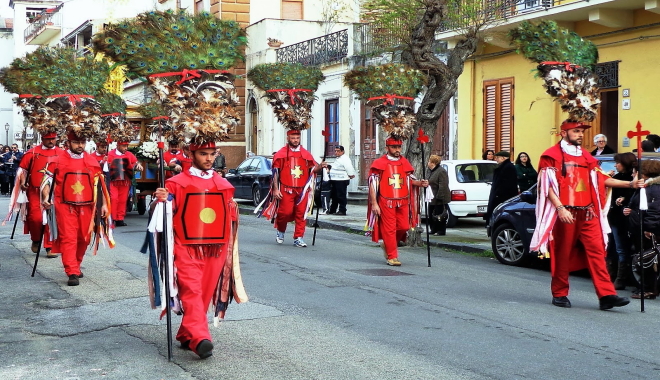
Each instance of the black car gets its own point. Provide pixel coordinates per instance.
(252, 178)
(513, 222)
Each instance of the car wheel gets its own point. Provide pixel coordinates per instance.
(451, 220)
(256, 195)
(508, 246)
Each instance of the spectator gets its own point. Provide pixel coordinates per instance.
(655, 139)
(439, 183)
(11, 158)
(647, 146)
(525, 170)
(325, 188)
(341, 174)
(625, 164)
(4, 186)
(600, 140)
(505, 183)
(488, 155)
(219, 163)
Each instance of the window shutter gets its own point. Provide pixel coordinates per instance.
(506, 116)
(292, 10)
(498, 114)
(490, 116)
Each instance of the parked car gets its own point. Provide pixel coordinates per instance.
(469, 183)
(252, 178)
(513, 222)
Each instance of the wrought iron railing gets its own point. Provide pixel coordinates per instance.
(49, 16)
(326, 49)
(371, 39)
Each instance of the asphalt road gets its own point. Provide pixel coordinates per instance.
(333, 311)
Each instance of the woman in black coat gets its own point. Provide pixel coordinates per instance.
(625, 164)
(505, 183)
(525, 170)
(439, 183)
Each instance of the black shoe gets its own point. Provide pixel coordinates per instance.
(609, 302)
(561, 302)
(80, 275)
(120, 223)
(341, 213)
(73, 280)
(330, 212)
(185, 345)
(204, 349)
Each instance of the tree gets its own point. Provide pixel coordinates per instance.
(414, 24)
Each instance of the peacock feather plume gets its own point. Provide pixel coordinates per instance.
(289, 88)
(565, 63)
(390, 90)
(113, 117)
(63, 85)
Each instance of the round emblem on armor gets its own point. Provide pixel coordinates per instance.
(207, 215)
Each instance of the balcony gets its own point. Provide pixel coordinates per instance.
(371, 39)
(323, 50)
(46, 26)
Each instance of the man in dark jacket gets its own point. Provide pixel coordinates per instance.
(505, 183)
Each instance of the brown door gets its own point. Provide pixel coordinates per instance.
(607, 122)
(441, 136)
(369, 138)
(254, 121)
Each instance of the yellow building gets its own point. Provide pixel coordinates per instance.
(502, 106)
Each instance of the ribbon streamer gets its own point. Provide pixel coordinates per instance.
(291, 92)
(569, 66)
(389, 98)
(187, 74)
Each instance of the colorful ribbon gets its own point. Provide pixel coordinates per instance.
(112, 114)
(187, 74)
(291, 92)
(389, 98)
(569, 66)
(29, 96)
(161, 117)
(73, 99)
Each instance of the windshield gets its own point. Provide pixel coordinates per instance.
(476, 172)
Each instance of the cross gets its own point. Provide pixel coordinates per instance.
(77, 188)
(639, 135)
(396, 181)
(296, 172)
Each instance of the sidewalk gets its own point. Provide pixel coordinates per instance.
(469, 235)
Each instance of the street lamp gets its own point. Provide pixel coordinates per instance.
(7, 133)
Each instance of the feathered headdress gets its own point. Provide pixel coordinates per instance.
(566, 62)
(113, 115)
(391, 90)
(184, 56)
(289, 88)
(56, 89)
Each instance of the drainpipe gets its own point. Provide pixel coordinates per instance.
(473, 104)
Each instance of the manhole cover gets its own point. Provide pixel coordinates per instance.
(381, 272)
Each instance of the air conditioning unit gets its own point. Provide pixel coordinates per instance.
(532, 5)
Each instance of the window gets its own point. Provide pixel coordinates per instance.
(245, 166)
(292, 9)
(199, 6)
(474, 172)
(332, 125)
(498, 114)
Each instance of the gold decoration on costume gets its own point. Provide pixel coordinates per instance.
(395, 180)
(207, 215)
(296, 172)
(580, 186)
(77, 188)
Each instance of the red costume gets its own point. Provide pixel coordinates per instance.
(204, 223)
(75, 199)
(171, 158)
(295, 174)
(392, 183)
(580, 185)
(121, 175)
(34, 162)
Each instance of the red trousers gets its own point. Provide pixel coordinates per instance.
(34, 223)
(197, 279)
(73, 235)
(118, 198)
(393, 224)
(289, 211)
(564, 257)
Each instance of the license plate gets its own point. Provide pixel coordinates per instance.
(482, 209)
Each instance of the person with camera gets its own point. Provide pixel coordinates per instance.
(438, 209)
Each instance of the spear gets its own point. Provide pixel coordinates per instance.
(164, 244)
(43, 226)
(318, 206)
(643, 205)
(423, 139)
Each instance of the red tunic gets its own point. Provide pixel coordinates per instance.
(170, 158)
(121, 165)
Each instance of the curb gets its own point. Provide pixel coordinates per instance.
(462, 247)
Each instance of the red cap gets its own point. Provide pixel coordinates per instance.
(568, 125)
(292, 132)
(49, 135)
(122, 143)
(393, 141)
(71, 136)
(206, 145)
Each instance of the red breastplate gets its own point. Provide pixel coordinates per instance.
(76, 182)
(202, 216)
(39, 162)
(295, 172)
(575, 187)
(393, 183)
(120, 169)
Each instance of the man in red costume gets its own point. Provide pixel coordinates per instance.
(571, 214)
(77, 176)
(204, 222)
(293, 178)
(392, 199)
(33, 166)
(171, 157)
(122, 164)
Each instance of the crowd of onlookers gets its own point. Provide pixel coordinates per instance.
(10, 158)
